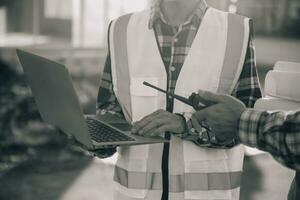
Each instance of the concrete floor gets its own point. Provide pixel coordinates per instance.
(85, 178)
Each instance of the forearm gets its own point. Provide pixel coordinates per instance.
(107, 103)
(275, 132)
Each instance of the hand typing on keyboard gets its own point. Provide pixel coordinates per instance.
(159, 122)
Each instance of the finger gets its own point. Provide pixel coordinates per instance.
(201, 114)
(198, 102)
(146, 118)
(196, 124)
(144, 125)
(223, 135)
(150, 126)
(211, 97)
(143, 122)
(170, 122)
(158, 131)
(220, 132)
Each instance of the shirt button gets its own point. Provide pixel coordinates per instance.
(173, 68)
(175, 40)
(170, 97)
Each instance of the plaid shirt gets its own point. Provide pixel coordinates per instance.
(275, 132)
(174, 44)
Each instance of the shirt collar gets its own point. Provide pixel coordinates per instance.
(194, 19)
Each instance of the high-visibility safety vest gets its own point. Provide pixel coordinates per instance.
(214, 63)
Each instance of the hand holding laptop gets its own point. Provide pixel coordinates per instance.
(58, 103)
(103, 152)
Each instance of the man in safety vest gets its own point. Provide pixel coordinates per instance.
(181, 46)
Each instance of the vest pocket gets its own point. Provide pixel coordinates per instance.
(133, 158)
(207, 174)
(205, 160)
(130, 172)
(194, 153)
(137, 88)
(144, 100)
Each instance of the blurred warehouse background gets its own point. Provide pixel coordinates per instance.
(36, 162)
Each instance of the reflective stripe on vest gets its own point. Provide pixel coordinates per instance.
(189, 181)
(118, 50)
(238, 34)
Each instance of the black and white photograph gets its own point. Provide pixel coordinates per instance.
(149, 99)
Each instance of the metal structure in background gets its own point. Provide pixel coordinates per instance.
(75, 30)
(85, 21)
(271, 17)
(2, 21)
(36, 21)
(233, 6)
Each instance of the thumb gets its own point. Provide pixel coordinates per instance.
(200, 115)
(211, 97)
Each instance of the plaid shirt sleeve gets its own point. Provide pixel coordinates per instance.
(275, 132)
(247, 88)
(106, 100)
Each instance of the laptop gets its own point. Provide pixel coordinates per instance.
(58, 104)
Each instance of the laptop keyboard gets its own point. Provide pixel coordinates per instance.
(103, 133)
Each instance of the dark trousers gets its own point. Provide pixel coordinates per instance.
(294, 193)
